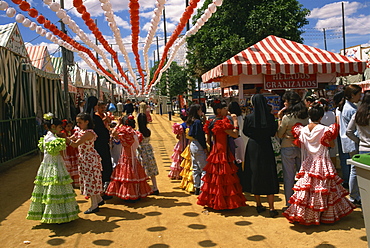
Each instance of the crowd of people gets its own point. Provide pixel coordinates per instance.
(217, 158)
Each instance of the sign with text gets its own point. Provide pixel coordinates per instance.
(293, 81)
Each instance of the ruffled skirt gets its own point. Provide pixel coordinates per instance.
(129, 181)
(187, 182)
(319, 196)
(53, 198)
(176, 162)
(221, 188)
(71, 163)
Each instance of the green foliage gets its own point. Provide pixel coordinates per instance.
(177, 78)
(238, 24)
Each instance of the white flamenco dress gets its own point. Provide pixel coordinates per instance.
(318, 194)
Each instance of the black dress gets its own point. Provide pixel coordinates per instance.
(102, 147)
(260, 175)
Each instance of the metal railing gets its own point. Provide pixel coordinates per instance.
(18, 137)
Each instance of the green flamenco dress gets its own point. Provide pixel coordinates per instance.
(53, 198)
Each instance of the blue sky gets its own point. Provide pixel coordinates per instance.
(324, 14)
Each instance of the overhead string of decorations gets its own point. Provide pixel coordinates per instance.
(212, 8)
(85, 53)
(65, 40)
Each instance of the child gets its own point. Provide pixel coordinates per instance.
(128, 180)
(187, 181)
(179, 130)
(53, 198)
(146, 151)
(90, 166)
(319, 196)
(71, 154)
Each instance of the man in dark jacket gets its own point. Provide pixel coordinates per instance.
(129, 107)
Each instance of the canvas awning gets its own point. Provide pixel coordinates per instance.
(40, 58)
(274, 55)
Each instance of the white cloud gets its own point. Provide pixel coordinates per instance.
(335, 9)
(315, 44)
(121, 23)
(353, 25)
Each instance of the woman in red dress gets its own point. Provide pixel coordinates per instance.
(128, 180)
(221, 188)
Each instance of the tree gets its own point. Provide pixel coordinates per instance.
(177, 78)
(238, 24)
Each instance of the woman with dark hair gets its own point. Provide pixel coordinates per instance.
(260, 165)
(221, 188)
(198, 146)
(352, 95)
(145, 148)
(90, 166)
(96, 111)
(319, 197)
(295, 111)
(360, 125)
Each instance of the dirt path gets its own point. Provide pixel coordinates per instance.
(171, 219)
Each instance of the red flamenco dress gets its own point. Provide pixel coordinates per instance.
(128, 180)
(221, 188)
(70, 156)
(319, 196)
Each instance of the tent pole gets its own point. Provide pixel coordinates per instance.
(67, 107)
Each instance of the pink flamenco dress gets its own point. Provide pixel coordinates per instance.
(221, 189)
(179, 130)
(128, 180)
(319, 196)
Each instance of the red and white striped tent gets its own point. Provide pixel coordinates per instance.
(274, 55)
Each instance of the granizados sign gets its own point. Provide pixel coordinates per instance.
(293, 81)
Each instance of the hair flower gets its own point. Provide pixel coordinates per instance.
(131, 117)
(48, 116)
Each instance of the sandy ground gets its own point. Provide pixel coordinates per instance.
(171, 219)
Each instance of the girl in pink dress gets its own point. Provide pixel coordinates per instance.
(70, 155)
(179, 130)
(90, 166)
(319, 196)
(128, 180)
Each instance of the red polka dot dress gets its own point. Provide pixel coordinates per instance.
(90, 166)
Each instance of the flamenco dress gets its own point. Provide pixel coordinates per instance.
(53, 198)
(187, 181)
(319, 196)
(90, 166)
(71, 162)
(147, 158)
(128, 180)
(221, 188)
(178, 129)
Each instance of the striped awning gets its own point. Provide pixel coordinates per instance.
(40, 58)
(274, 55)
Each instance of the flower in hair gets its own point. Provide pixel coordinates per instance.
(65, 122)
(131, 117)
(48, 116)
